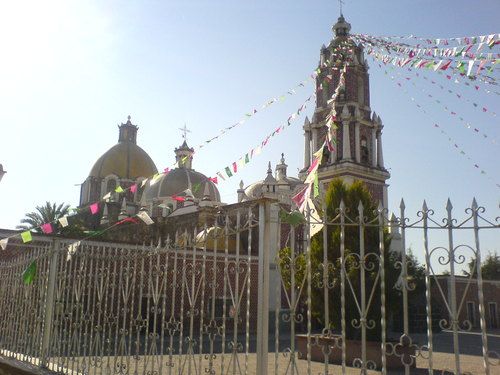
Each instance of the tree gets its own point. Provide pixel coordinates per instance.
(490, 269)
(43, 214)
(352, 196)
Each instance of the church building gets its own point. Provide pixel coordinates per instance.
(356, 154)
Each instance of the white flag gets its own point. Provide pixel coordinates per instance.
(315, 222)
(143, 215)
(72, 249)
(3, 243)
(471, 64)
(63, 221)
(241, 163)
(107, 196)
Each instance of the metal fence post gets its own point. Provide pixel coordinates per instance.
(49, 304)
(263, 288)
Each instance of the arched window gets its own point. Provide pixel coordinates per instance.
(361, 91)
(111, 185)
(364, 150)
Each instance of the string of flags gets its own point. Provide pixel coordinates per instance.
(452, 142)
(234, 167)
(455, 94)
(452, 113)
(47, 228)
(490, 39)
(415, 56)
(341, 51)
(463, 67)
(94, 208)
(250, 114)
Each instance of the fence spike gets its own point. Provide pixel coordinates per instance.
(474, 203)
(342, 205)
(402, 204)
(424, 206)
(449, 206)
(360, 208)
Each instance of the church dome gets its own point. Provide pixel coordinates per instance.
(125, 159)
(177, 181)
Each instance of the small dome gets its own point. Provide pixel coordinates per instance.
(256, 189)
(125, 160)
(178, 180)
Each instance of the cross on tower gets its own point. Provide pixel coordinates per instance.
(184, 131)
(340, 5)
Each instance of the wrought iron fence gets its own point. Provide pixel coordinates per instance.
(255, 293)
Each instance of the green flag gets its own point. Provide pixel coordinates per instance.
(316, 185)
(293, 218)
(247, 159)
(228, 172)
(196, 187)
(29, 273)
(26, 236)
(119, 189)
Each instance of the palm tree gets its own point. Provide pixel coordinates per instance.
(43, 214)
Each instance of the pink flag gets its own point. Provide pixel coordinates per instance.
(313, 165)
(235, 167)
(127, 220)
(446, 66)
(47, 228)
(221, 176)
(133, 188)
(178, 199)
(301, 198)
(166, 170)
(213, 179)
(94, 208)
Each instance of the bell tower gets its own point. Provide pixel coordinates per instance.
(343, 96)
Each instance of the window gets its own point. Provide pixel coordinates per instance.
(493, 317)
(471, 313)
(361, 91)
(111, 185)
(364, 150)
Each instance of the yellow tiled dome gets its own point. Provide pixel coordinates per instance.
(125, 160)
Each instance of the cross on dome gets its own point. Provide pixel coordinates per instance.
(184, 131)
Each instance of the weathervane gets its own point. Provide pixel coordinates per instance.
(184, 132)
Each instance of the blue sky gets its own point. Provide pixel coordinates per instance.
(72, 70)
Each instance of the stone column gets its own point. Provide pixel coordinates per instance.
(346, 141)
(307, 149)
(314, 139)
(357, 143)
(380, 157)
(374, 147)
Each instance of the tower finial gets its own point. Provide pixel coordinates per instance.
(184, 131)
(340, 5)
